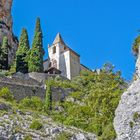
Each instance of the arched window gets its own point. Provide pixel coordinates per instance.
(54, 49)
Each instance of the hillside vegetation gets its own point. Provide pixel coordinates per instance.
(91, 106)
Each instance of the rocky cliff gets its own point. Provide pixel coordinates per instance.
(127, 120)
(16, 125)
(6, 27)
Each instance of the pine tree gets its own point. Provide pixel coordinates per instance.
(22, 53)
(37, 51)
(4, 54)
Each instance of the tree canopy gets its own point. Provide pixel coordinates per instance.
(22, 53)
(37, 51)
(4, 54)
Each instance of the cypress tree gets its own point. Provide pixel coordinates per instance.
(37, 51)
(22, 53)
(38, 26)
(4, 54)
(48, 99)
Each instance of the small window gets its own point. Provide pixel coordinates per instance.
(54, 49)
(65, 48)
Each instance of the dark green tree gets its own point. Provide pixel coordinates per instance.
(37, 51)
(38, 25)
(4, 54)
(48, 99)
(22, 53)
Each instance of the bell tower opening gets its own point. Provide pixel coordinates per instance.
(54, 49)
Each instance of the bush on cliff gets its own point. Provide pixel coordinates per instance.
(33, 103)
(6, 94)
(36, 124)
(136, 45)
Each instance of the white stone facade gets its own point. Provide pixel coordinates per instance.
(63, 58)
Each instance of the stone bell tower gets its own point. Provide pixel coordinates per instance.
(6, 28)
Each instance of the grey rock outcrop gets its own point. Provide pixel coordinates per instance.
(127, 115)
(17, 127)
(6, 27)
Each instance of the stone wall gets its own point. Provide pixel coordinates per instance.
(42, 77)
(21, 91)
(22, 88)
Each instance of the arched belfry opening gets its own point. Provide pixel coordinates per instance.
(54, 49)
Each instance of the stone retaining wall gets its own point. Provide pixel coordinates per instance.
(21, 88)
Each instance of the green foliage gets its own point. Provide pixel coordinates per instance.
(95, 102)
(22, 53)
(96, 96)
(28, 138)
(64, 136)
(4, 54)
(108, 133)
(38, 26)
(12, 68)
(48, 99)
(131, 124)
(34, 103)
(58, 82)
(36, 124)
(37, 51)
(136, 116)
(136, 45)
(6, 94)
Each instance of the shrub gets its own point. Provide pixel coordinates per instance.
(136, 116)
(64, 136)
(28, 138)
(131, 124)
(136, 45)
(36, 124)
(108, 133)
(6, 94)
(34, 103)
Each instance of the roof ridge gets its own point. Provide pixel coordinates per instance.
(58, 39)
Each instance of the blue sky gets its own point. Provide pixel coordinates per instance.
(99, 30)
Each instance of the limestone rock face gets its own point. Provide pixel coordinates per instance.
(5, 12)
(125, 124)
(6, 27)
(17, 127)
(127, 115)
